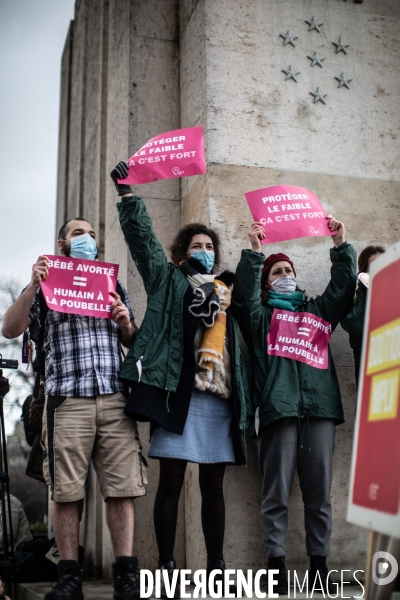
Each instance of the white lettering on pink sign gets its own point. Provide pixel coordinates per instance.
(300, 336)
(287, 212)
(178, 153)
(80, 287)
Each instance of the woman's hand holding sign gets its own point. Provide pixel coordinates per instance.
(256, 234)
(337, 226)
(121, 172)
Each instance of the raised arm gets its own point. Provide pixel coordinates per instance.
(137, 228)
(246, 299)
(17, 319)
(338, 296)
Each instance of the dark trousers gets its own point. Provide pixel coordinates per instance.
(283, 447)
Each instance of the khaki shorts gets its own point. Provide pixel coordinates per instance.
(76, 430)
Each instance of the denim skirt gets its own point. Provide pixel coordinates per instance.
(207, 436)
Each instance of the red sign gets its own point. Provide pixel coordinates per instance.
(288, 212)
(178, 153)
(80, 287)
(300, 336)
(376, 479)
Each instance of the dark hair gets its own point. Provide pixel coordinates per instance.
(64, 229)
(179, 246)
(366, 254)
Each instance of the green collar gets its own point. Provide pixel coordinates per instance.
(292, 301)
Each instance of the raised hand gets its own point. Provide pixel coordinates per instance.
(119, 312)
(337, 226)
(40, 271)
(120, 171)
(256, 234)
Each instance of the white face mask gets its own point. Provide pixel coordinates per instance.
(285, 285)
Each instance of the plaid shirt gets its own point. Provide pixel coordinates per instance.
(83, 354)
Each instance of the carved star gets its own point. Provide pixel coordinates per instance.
(290, 74)
(289, 39)
(318, 96)
(316, 60)
(314, 25)
(343, 81)
(340, 46)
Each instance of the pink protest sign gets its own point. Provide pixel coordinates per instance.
(178, 153)
(287, 212)
(80, 287)
(300, 336)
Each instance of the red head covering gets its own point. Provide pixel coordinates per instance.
(269, 263)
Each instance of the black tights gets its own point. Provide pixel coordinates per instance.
(172, 475)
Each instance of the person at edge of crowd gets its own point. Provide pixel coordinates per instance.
(2, 591)
(185, 370)
(83, 359)
(296, 406)
(20, 525)
(353, 322)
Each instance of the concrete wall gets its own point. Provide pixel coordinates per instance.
(135, 68)
(263, 130)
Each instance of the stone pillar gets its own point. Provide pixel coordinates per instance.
(76, 154)
(63, 136)
(95, 119)
(143, 100)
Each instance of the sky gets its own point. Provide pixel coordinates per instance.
(32, 37)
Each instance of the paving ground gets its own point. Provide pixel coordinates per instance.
(97, 590)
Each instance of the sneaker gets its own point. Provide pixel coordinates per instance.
(318, 567)
(170, 566)
(69, 582)
(278, 562)
(126, 580)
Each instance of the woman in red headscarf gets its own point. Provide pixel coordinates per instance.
(295, 391)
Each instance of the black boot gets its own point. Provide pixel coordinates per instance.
(126, 580)
(69, 582)
(219, 563)
(170, 566)
(318, 566)
(278, 562)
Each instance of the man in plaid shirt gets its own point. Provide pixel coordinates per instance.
(84, 419)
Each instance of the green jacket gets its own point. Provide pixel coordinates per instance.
(282, 387)
(353, 322)
(156, 356)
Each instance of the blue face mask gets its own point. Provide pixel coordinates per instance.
(83, 246)
(206, 258)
